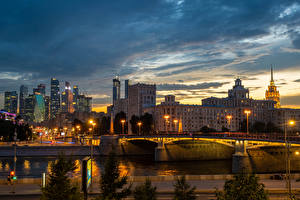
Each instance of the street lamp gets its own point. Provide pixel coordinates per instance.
(287, 155)
(92, 148)
(247, 112)
(175, 122)
(123, 124)
(166, 117)
(229, 117)
(139, 124)
(65, 129)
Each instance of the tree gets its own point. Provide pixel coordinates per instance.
(206, 129)
(147, 124)
(243, 126)
(183, 191)
(118, 125)
(224, 129)
(243, 187)
(111, 184)
(59, 186)
(145, 191)
(133, 121)
(272, 128)
(104, 125)
(258, 127)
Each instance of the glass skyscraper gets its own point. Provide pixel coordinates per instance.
(11, 102)
(54, 98)
(23, 95)
(116, 89)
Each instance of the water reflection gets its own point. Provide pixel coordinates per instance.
(132, 166)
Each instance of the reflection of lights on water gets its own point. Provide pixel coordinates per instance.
(95, 169)
(26, 164)
(166, 172)
(1, 165)
(6, 166)
(123, 170)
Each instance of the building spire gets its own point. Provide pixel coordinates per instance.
(272, 80)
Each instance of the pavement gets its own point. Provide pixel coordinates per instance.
(205, 189)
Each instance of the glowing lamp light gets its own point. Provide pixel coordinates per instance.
(297, 153)
(175, 121)
(166, 116)
(123, 121)
(229, 117)
(12, 173)
(91, 121)
(139, 123)
(291, 122)
(247, 112)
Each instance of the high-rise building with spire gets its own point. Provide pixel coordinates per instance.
(272, 93)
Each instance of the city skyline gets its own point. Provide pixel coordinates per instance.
(191, 49)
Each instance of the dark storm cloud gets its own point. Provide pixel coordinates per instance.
(76, 38)
(81, 40)
(163, 87)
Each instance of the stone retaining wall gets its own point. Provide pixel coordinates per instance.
(156, 178)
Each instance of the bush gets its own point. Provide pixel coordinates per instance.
(183, 191)
(59, 185)
(145, 191)
(111, 184)
(243, 187)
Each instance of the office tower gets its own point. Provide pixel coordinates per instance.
(29, 108)
(47, 107)
(54, 98)
(140, 96)
(84, 103)
(127, 83)
(35, 108)
(11, 102)
(116, 89)
(272, 93)
(75, 97)
(23, 95)
(67, 99)
(41, 89)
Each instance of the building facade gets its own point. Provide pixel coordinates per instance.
(67, 99)
(23, 95)
(11, 102)
(272, 93)
(54, 98)
(238, 96)
(116, 89)
(75, 97)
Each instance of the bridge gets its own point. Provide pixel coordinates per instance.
(243, 151)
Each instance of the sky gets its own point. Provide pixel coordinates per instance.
(192, 49)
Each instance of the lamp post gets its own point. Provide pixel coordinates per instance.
(123, 124)
(92, 150)
(175, 123)
(288, 161)
(166, 117)
(247, 112)
(65, 130)
(229, 117)
(139, 124)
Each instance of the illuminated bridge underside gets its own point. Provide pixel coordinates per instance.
(178, 148)
(231, 142)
